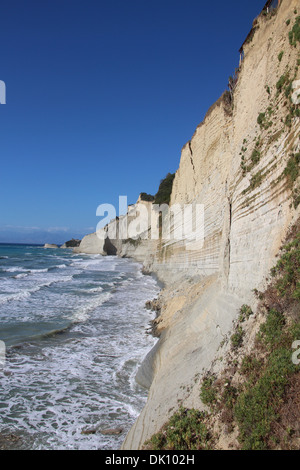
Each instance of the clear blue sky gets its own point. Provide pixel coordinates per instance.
(101, 97)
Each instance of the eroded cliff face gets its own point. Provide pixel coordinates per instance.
(239, 165)
(246, 213)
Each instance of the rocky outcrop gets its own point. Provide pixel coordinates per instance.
(91, 244)
(123, 236)
(74, 243)
(50, 245)
(241, 165)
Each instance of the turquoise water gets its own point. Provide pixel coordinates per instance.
(75, 331)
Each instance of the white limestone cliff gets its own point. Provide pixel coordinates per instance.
(235, 165)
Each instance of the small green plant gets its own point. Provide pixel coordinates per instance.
(208, 393)
(288, 22)
(288, 120)
(245, 313)
(256, 180)
(287, 270)
(259, 295)
(242, 153)
(294, 34)
(288, 89)
(296, 196)
(255, 156)
(274, 137)
(258, 142)
(237, 338)
(134, 241)
(261, 119)
(271, 331)
(280, 55)
(292, 168)
(243, 166)
(281, 82)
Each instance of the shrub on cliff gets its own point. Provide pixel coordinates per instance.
(147, 197)
(281, 82)
(269, 369)
(163, 194)
(256, 407)
(237, 337)
(294, 35)
(287, 270)
(208, 393)
(186, 430)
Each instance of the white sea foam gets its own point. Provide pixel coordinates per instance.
(96, 289)
(88, 264)
(19, 269)
(14, 269)
(45, 270)
(93, 366)
(25, 293)
(82, 313)
(93, 290)
(20, 276)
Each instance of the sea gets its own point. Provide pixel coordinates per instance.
(74, 330)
